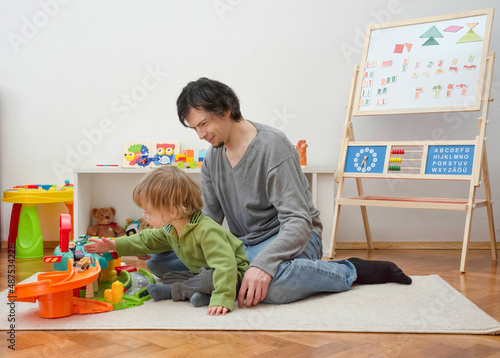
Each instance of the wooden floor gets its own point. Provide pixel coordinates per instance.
(481, 285)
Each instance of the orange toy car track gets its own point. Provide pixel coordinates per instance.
(54, 292)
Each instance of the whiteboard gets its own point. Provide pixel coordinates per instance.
(426, 65)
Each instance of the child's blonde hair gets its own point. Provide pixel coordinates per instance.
(168, 188)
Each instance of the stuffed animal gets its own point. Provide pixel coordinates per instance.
(132, 227)
(145, 225)
(136, 226)
(105, 226)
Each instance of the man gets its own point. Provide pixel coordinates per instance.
(251, 175)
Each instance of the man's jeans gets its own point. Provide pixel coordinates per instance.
(306, 274)
(296, 279)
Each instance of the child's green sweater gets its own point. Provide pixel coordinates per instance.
(202, 243)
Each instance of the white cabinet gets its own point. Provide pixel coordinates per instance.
(99, 187)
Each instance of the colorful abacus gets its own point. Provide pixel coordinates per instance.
(403, 151)
(398, 168)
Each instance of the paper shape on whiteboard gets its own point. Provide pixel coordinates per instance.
(453, 28)
(432, 32)
(399, 48)
(471, 25)
(470, 36)
(418, 91)
(463, 88)
(430, 42)
(408, 46)
(436, 90)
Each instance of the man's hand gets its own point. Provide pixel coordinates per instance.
(100, 246)
(254, 287)
(143, 257)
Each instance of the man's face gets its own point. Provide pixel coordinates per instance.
(208, 126)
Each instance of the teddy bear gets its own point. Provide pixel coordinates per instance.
(136, 226)
(105, 226)
(145, 225)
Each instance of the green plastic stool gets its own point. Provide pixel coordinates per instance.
(29, 242)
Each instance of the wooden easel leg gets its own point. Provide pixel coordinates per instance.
(333, 238)
(465, 246)
(489, 207)
(468, 227)
(492, 232)
(336, 215)
(493, 240)
(364, 215)
(368, 234)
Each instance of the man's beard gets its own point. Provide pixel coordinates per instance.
(218, 145)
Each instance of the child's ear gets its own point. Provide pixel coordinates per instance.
(173, 212)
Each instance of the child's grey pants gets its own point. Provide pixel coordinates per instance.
(185, 283)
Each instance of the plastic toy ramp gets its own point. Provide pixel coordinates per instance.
(135, 284)
(54, 292)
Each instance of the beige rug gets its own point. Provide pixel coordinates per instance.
(429, 305)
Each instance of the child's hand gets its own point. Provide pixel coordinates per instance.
(217, 311)
(143, 257)
(100, 246)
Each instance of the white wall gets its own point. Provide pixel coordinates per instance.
(79, 78)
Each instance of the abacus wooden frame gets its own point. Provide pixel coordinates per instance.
(480, 167)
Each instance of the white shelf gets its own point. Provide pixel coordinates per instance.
(113, 186)
(115, 170)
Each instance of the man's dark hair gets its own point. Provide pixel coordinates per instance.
(212, 96)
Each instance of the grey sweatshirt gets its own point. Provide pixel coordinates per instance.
(265, 194)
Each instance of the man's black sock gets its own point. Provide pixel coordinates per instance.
(378, 272)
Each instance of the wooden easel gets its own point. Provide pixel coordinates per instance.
(354, 157)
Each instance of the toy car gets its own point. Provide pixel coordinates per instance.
(83, 263)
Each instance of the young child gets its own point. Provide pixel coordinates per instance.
(216, 260)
